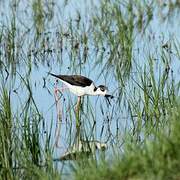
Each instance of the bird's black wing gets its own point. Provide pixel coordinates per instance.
(76, 80)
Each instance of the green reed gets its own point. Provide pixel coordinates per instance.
(150, 148)
(22, 154)
(39, 15)
(155, 158)
(6, 137)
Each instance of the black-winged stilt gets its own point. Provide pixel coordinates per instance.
(81, 85)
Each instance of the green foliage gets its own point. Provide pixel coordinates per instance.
(21, 154)
(39, 15)
(155, 158)
(6, 157)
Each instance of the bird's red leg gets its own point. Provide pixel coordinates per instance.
(77, 108)
(78, 104)
(78, 121)
(59, 113)
(63, 88)
(56, 95)
(60, 90)
(56, 90)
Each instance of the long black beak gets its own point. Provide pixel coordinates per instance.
(108, 96)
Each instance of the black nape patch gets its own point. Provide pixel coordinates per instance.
(95, 88)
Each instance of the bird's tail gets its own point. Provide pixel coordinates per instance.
(57, 76)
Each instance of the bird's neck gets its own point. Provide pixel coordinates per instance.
(95, 93)
(92, 90)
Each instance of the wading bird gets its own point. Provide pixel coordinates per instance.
(81, 86)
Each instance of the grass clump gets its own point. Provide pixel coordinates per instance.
(6, 161)
(155, 158)
(22, 154)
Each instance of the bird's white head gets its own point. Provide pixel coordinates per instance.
(101, 90)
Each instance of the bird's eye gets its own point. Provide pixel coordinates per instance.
(102, 89)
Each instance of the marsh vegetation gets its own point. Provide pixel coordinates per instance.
(131, 46)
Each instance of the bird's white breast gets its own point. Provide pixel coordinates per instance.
(80, 91)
